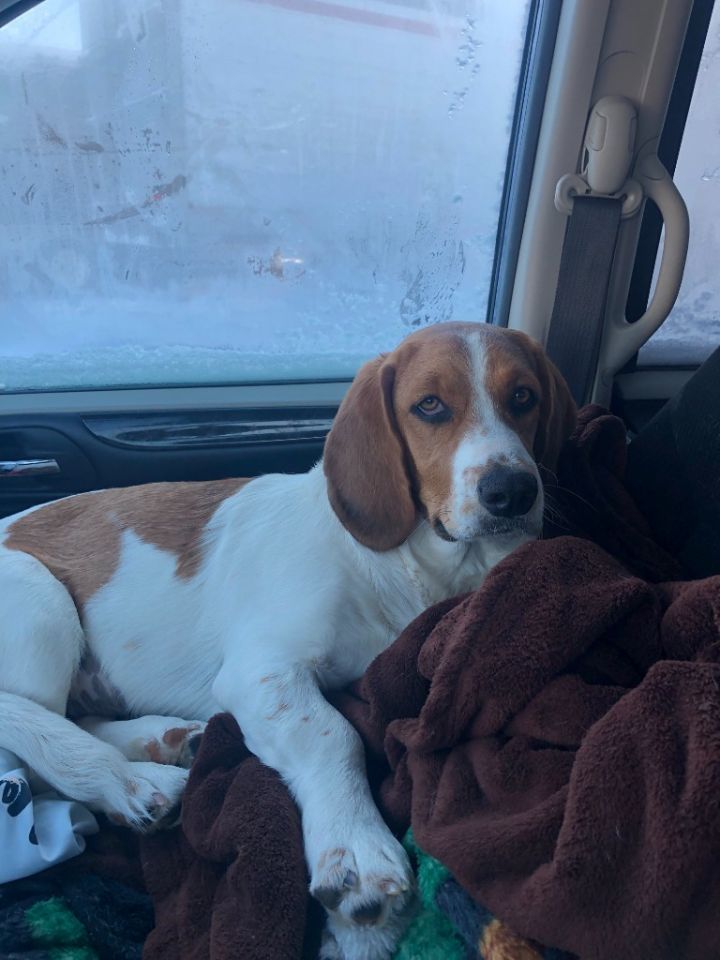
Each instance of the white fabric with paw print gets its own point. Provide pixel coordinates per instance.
(39, 830)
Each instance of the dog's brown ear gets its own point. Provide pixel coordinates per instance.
(558, 413)
(368, 478)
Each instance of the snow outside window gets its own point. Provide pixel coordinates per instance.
(692, 331)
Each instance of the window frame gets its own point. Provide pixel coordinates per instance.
(543, 20)
(10, 9)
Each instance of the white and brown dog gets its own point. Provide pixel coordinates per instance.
(170, 602)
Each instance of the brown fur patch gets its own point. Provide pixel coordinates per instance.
(78, 539)
(154, 751)
(174, 736)
(368, 479)
(515, 360)
(509, 367)
(500, 943)
(436, 364)
(383, 464)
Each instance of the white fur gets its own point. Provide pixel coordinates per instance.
(285, 604)
(489, 439)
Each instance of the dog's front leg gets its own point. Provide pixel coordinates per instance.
(358, 870)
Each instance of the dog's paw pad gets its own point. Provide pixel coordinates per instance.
(336, 873)
(177, 746)
(365, 886)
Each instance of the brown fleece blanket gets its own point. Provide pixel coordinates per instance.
(233, 882)
(564, 763)
(554, 740)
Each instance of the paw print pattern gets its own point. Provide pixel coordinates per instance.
(15, 795)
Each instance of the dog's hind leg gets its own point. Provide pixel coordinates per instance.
(41, 641)
(161, 739)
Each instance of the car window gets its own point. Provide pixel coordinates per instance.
(692, 331)
(245, 190)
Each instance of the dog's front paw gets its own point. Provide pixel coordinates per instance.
(367, 888)
(151, 797)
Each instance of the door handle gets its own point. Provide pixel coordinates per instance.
(28, 468)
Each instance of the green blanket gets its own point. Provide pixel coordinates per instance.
(66, 914)
(451, 926)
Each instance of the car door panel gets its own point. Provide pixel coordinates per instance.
(98, 451)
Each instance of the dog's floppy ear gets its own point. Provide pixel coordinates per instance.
(368, 478)
(558, 413)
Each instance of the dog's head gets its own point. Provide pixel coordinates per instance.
(451, 426)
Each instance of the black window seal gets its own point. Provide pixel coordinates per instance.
(543, 20)
(10, 9)
(668, 152)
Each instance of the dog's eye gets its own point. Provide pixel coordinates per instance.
(523, 399)
(431, 405)
(432, 408)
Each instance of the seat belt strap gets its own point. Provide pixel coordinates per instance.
(581, 297)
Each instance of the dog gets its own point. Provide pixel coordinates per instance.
(166, 603)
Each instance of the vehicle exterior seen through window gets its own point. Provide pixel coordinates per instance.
(692, 331)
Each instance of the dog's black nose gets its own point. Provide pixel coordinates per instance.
(505, 492)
